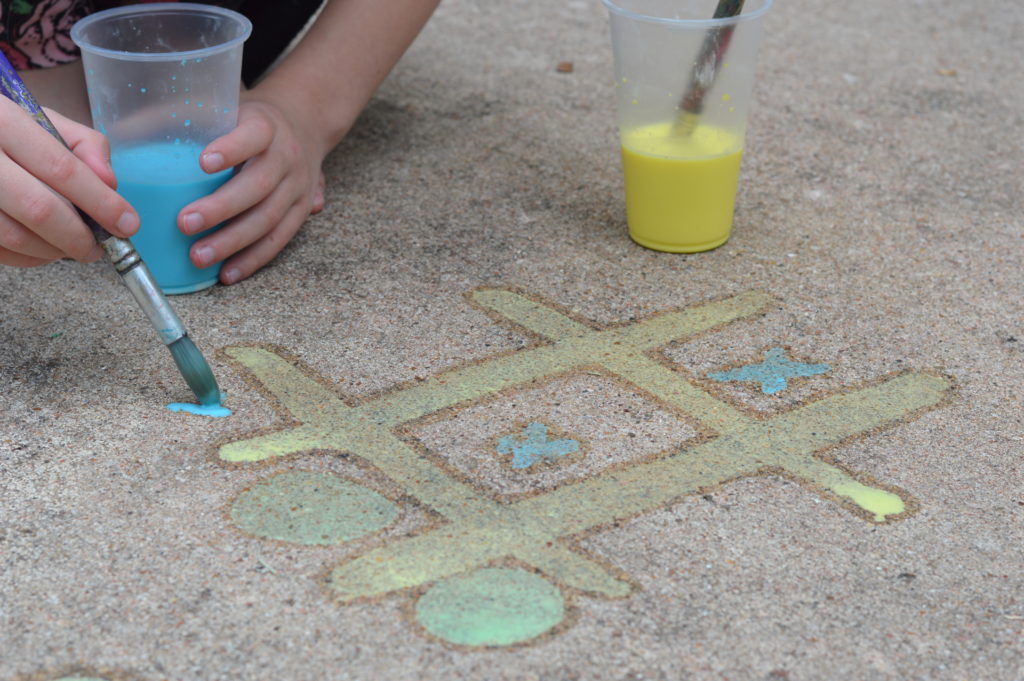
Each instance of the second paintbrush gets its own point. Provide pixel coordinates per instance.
(705, 68)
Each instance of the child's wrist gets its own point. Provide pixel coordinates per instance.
(307, 117)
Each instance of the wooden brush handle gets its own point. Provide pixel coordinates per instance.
(728, 8)
(716, 42)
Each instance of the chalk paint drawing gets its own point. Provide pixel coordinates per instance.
(310, 508)
(535, 446)
(773, 373)
(495, 573)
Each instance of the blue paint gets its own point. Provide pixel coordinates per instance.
(536, 447)
(215, 410)
(772, 373)
(159, 180)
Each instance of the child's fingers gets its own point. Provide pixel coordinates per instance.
(13, 259)
(15, 238)
(253, 184)
(87, 144)
(241, 232)
(45, 158)
(251, 136)
(31, 204)
(263, 251)
(319, 196)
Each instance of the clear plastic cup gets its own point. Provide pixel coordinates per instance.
(163, 82)
(684, 82)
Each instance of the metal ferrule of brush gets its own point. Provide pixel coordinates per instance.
(144, 289)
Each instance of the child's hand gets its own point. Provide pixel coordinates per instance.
(286, 126)
(40, 180)
(278, 186)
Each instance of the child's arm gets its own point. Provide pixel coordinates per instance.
(40, 179)
(288, 124)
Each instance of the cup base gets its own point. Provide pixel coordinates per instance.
(678, 248)
(188, 288)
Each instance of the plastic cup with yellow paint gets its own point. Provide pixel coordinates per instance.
(681, 155)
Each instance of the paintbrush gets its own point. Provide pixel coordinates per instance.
(705, 69)
(126, 260)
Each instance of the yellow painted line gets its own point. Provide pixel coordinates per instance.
(419, 476)
(306, 399)
(282, 443)
(536, 317)
(674, 389)
(658, 330)
(574, 570)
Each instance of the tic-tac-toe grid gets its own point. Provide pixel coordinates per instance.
(538, 530)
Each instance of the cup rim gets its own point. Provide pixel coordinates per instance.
(688, 23)
(86, 46)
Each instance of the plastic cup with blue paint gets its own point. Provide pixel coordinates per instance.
(163, 82)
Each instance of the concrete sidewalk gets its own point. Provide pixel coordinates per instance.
(480, 434)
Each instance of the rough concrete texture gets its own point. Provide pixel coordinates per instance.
(879, 217)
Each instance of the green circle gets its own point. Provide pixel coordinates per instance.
(312, 509)
(491, 607)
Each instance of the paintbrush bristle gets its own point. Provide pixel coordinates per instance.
(686, 123)
(195, 370)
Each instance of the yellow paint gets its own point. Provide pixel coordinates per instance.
(873, 500)
(680, 189)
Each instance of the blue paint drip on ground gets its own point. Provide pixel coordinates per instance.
(216, 410)
(535, 447)
(772, 373)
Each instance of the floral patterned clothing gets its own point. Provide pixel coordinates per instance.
(37, 33)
